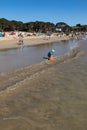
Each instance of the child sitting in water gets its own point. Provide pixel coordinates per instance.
(50, 54)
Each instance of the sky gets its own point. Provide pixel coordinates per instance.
(71, 12)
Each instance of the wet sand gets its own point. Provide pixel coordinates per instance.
(46, 96)
(13, 43)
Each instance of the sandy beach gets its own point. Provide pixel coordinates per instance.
(9, 43)
(46, 96)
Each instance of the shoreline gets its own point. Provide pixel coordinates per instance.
(35, 69)
(33, 42)
(13, 43)
(73, 54)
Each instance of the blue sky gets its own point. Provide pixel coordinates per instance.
(71, 12)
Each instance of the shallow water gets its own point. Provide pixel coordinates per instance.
(22, 57)
(47, 96)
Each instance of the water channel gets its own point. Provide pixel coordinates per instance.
(22, 57)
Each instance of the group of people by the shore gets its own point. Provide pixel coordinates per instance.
(46, 36)
(20, 36)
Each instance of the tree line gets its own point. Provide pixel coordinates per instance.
(39, 26)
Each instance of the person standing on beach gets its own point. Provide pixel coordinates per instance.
(20, 40)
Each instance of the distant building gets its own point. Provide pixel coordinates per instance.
(58, 29)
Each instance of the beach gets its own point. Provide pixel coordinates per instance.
(12, 42)
(46, 96)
